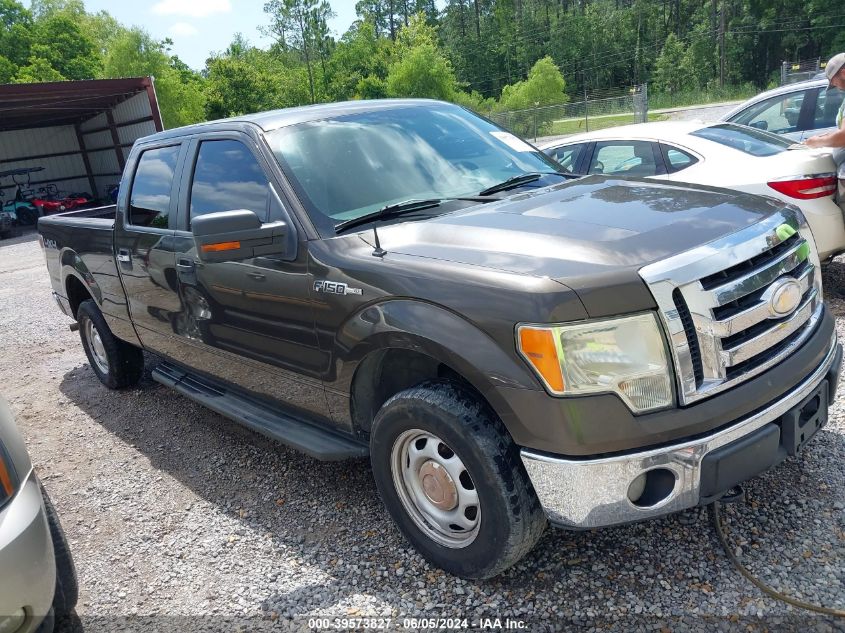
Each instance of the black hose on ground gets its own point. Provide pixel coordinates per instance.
(720, 532)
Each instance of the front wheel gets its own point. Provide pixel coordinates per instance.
(452, 479)
(116, 363)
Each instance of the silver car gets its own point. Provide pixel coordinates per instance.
(796, 111)
(37, 576)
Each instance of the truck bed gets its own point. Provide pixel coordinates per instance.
(79, 248)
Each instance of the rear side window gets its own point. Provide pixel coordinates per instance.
(228, 177)
(568, 156)
(677, 159)
(745, 139)
(779, 114)
(149, 203)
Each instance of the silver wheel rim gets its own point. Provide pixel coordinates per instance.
(98, 351)
(435, 488)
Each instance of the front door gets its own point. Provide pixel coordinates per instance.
(249, 322)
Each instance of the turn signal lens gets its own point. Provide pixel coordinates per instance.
(7, 487)
(537, 346)
(806, 188)
(622, 355)
(220, 246)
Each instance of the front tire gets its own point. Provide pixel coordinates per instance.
(452, 479)
(116, 363)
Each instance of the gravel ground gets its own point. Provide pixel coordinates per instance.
(181, 520)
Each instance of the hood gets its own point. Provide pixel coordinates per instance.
(592, 234)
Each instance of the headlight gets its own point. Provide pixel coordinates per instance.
(625, 355)
(8, 482)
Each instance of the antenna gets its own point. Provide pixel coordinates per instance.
(379, 251)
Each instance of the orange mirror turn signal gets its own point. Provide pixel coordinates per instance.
(220, 246)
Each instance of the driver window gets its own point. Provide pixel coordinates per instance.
(777, 114)
(827, 106)
(228, 177)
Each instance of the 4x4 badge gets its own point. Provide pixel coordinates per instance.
(335, 288)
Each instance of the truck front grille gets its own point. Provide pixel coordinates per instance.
(715, 302)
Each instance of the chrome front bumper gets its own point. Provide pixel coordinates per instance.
(583, 494)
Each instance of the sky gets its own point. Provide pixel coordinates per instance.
(200, 27)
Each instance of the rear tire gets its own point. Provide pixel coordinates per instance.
(116, 363)
(452, 479)
(67, 586)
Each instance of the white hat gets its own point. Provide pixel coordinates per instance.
(834, 65)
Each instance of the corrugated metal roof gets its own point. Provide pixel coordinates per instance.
(25, 106)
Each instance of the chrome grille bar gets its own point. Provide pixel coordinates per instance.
(759, 278)
(720, 291)
(758, 312)
(772, 336)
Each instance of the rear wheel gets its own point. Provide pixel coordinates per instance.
(452, 479)
(116, 363)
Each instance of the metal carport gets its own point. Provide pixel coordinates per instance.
(80, 132)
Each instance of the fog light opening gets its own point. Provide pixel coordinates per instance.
(652, 487)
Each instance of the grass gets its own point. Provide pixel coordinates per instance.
(658, 101)
(576, 126)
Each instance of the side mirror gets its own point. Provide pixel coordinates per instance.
(232, 235)
(760, 125)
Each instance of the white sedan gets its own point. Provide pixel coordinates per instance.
(718, 154)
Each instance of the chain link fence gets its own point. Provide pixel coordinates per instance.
(793, 72)
(597, 110)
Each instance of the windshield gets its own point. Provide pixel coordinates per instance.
(745, 139)
(351, 165)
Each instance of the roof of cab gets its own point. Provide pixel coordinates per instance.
(275, 119)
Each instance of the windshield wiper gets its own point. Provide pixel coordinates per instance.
(515, 181)
(389, 211)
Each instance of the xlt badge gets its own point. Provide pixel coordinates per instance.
(335, 288)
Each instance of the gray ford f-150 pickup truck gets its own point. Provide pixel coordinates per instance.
(404, 280)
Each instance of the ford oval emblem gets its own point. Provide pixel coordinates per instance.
(783, 296)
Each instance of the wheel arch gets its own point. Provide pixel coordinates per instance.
(392, 346)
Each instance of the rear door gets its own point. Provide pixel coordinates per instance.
(143, 241)
(246, 322)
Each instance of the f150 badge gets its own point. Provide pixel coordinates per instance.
(335, 288)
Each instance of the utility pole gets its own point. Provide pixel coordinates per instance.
(722, 46)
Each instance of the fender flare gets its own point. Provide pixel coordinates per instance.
(435, 331)
(73, 266)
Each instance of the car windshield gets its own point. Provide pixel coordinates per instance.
(745, 139)
(351, 165)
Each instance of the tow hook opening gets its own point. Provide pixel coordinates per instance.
(652, 487)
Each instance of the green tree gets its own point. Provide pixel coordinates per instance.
(15, 33)
(135, 53)
(420, 69)
(359, 63)
(38, 69)
(670, 71)
(544, 86)
(301, 25)
(60, 40)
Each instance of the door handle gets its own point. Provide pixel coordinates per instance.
(124, 256)
(185, 265)
(256, 276)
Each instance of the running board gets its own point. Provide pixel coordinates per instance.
(307, 438)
